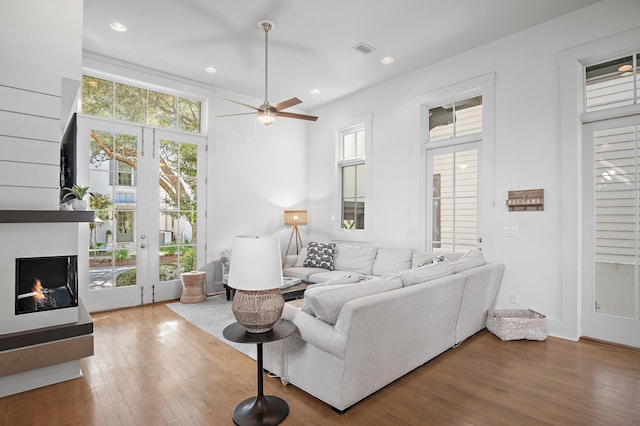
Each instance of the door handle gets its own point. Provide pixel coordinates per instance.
(143, 245)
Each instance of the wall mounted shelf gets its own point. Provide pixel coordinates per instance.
(45, 216)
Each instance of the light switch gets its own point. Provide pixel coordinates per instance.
(510, 231)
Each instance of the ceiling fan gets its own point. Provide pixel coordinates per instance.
(266, 112)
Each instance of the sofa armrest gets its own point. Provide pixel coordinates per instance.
(290, 261)
(316, 332)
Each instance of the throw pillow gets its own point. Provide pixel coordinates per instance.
(327, 301)
(425, 273)
(420, 259)
(319, 255)
(471, 259)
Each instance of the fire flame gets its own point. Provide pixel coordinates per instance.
(37, 288)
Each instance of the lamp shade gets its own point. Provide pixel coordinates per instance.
(256, 263)
(295, 217)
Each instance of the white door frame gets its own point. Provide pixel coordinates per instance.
(147, 288)
(596, 325)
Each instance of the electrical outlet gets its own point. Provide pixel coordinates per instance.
(510, 231)
(513, 298)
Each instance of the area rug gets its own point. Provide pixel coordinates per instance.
(212, 316)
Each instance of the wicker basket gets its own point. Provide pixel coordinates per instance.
(516, 324)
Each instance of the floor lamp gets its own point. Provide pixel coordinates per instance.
(295, 218)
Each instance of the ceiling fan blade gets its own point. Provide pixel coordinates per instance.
(240, 103)
(233, 115)
(298, 116)
(286, 104)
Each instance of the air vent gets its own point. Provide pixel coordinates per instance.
(363, 48)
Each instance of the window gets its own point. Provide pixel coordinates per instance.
(455, 119)
(106, 98)
(453, 146)
(612, 83)
(352, 174)
(352, 167)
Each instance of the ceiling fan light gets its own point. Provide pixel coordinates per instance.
(266, 118)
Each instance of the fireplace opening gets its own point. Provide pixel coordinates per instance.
(46, 283)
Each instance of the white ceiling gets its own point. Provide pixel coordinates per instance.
(311, 44)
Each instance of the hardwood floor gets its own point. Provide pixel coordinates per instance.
(151, 367)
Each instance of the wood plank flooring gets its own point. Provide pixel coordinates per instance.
(151, 367)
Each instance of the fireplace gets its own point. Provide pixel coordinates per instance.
(46, 283)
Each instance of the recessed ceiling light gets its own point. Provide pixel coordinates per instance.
(211, 70)
(626, 74)
(386, 60)
(315, 91)
(626, 67)
(117, 26)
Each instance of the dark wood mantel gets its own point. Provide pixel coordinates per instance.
(43, 216)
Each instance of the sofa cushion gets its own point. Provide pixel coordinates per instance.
(420, 259)
(319, 255)
(471, 259)
(391, 260)
(301, 257)
(327, 301)
(301, 272)
(324, 276)
(426, 273)
(345, 279)
(354, 258)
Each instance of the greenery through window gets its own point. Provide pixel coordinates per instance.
(352, 175)
(106, 98)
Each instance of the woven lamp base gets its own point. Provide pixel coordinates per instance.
(257, 311)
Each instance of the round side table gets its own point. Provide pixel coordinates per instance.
(262, 409)
(193, 287)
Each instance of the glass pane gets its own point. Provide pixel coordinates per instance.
(112, 257)
(97, 96)
(636, 74)
(616, 208)
(360, 143)
(348, 214)
(131, 103)
(178, 207)
(189, 115)
(609, 84)
(466, 171)
(468, 116)
(349, 181)
(349, 146)
(455, 201)
(360, 181)
(441, 122)
(162, 110)
(168, 263)
(359, 213)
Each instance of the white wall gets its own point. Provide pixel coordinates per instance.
(527, 151)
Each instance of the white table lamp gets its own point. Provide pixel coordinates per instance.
(256, 275)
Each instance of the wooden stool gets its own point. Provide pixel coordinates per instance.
(193, 287)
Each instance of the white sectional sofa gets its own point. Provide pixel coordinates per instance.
(354, 338)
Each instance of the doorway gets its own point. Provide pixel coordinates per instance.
(611, 216)
(135, 174)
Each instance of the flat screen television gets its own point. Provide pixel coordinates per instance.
(68, 156)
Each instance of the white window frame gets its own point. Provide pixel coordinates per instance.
(479, 86)
(362, 122)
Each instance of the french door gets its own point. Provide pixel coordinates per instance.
(452, 198)
(146, 185)
(611, 230)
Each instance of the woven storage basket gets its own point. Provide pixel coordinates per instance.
(517, 324)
